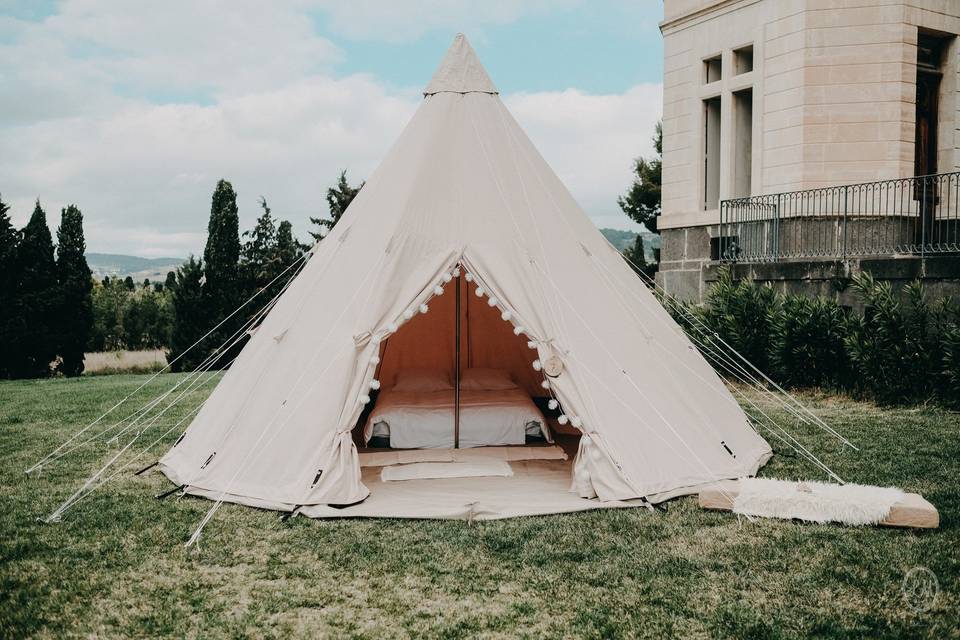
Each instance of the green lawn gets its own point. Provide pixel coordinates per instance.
(116, 565)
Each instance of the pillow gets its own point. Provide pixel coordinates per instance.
(486, 380)
(422, 380)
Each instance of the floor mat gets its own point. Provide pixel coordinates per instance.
(427, 470)
(537, 487)
(510, 454)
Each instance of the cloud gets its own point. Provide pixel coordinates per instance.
(590, 141)
(97, 109)
(406, 21)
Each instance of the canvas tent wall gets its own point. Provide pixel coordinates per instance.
(464, 185)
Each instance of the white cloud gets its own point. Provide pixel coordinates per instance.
(590, 141)
(76, 126)
(404, 21)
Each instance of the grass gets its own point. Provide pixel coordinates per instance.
(113, 362)
(116, 565)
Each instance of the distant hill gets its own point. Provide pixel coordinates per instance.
(624, 239)
(111, 264)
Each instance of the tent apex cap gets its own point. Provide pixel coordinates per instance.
(460, 71)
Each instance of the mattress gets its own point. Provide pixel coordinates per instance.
(424, 420)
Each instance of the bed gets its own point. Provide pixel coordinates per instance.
(424, 419)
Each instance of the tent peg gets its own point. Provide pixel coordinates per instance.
(171, 492)
(147, 468)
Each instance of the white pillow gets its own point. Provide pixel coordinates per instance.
(422, 380)
(486, 380)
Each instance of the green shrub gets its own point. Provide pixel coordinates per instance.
(807, 342)
(740, 314)
(891, 344)
(900, 349)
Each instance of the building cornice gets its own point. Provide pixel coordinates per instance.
(689, 19)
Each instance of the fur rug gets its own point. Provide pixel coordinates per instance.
(852, 504)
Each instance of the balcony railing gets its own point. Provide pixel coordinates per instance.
(907, 216)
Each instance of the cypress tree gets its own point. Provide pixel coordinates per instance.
(9, 238)
(35, 345)
(221, 255)
(222, 292)
(170, 283)
(75, 317)
(190, 320)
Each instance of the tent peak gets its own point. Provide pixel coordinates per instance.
(460, 71)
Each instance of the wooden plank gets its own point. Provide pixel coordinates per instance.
(914, 511)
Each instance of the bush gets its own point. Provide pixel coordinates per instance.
(807, 342)
(899, 349)
(740, 314)
(891, 344)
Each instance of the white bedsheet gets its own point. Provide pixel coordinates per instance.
(424, 420)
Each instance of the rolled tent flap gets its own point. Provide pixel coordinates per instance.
(338, 481)
(596, 476)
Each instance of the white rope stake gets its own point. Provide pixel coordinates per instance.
(630, 380)
(55, 516)
(196, 373)
(710, 355)
(791, 407)
(40, 463)
(263, 432)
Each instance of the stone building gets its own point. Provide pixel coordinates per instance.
(792, 133)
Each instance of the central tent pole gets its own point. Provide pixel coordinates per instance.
(456, 375)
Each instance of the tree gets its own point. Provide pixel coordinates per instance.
(637, 257)
(642, 201)
(221, 269)
(75, 313)
(9, 238)
(128, 283)
(190, 321)
(36, 297)
(171, 282)
(288, 248)
(339, 198)
(258, 255)
(221, 255)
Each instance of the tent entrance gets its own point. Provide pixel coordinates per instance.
(456, 376)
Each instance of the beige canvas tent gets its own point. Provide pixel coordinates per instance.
(464, 251)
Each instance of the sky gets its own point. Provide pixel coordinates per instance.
(134, 110)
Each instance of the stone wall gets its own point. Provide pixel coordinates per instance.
(687, 272)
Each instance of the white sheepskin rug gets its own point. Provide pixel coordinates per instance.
(852, 504)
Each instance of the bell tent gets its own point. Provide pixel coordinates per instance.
(464, 259)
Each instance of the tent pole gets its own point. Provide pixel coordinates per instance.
(456, 375)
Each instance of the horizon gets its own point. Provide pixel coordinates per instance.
(136, 129)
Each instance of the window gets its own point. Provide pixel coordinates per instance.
(742, 143)
(930, 54)
(743, 60)
(712, 69)
(711, 154)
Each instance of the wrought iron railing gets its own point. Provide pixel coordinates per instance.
(907, 216)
